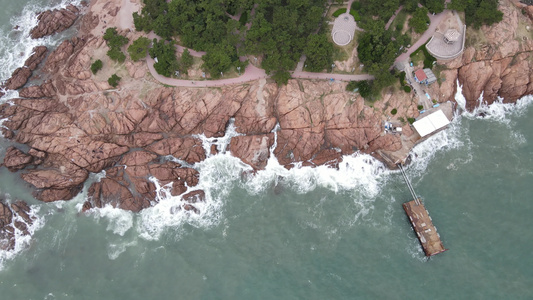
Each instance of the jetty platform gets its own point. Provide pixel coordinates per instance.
(424, 228)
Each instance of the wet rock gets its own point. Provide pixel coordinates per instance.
(186, 149)
(194, 196)
(54, 21)
(253, 150)
(15, 159)
(18, 79)
(37, 56)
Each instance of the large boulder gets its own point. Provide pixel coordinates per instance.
(54, 21)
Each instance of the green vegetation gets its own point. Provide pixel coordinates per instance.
(139, 48)
(113, 80)
(419, 20)
(406, 88)
(428, 58)
(401, 119)
(434, 6)
(339, 12)
(115, 41)
(319, 53)
(219, 60)
(394, 111)
(410, 5)
(279, 31)
(365, 88)
(186, 60)
(411, 120)
(377, 51)
(478, 12)
(420, 107)
(96, 66)
(165, 53)
(355, 15)
(356, 5)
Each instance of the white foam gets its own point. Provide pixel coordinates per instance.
(16, 45)
(22, 241)
(119, 220)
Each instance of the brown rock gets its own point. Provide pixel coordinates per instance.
(54, 21)
(194, 196)
(46, 90)
(37, 56)
(15, 159)
(186, 149)
(18, 79)
(253, 150)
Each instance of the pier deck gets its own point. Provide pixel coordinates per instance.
(423, 226)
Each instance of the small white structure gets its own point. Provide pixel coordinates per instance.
(431, 123)
(451, 36)
(343, 29)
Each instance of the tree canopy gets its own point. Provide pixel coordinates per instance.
(319, 52)
(419, 20)
(165, 53)
(139, 48)
(478, 12)
(115, 41)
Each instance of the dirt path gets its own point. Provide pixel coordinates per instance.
(127, 8)
(393, 17)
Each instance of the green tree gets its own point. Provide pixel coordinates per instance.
(115, 41)
(113, 80)
(139, 48)
(96, 66)
(219, 59)
(365, 88)
(478, 12)
(165, 54)
(434, 6)
(186, 60)
(419, 20)
(319, 52)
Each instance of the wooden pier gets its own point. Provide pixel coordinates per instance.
(424, 228)
(421, 222)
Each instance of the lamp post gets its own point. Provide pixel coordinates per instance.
(239, 70)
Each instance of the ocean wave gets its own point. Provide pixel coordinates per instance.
(16, 44)
(22, 241)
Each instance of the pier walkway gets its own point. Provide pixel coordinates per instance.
(419, 217)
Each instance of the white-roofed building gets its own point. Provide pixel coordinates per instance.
(431, 123)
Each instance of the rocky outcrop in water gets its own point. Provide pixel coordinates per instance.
(54, 21)
(21, 75)
(501, 66)
(14, 217)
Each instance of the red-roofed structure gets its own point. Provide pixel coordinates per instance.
(420, 75)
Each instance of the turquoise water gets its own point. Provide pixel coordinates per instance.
(305, 233)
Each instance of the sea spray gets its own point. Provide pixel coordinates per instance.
(16, 44)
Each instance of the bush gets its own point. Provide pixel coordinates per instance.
(96, 66)
(393, 111)
(407, 89)
(365, 88)
(139, 48)
(419, 20)
(420, 107)
(355, 15)
(113, 80)
(401, 119)
(356, 5)
(401, 76)
(339, 12)
(351, 86)
(114, 42)
(411, 120)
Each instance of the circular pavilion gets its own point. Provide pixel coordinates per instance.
(343, 29)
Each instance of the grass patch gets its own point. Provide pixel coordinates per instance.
(355, 15)
(339, 12)
(428, 58)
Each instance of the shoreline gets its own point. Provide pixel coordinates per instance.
(141, 123)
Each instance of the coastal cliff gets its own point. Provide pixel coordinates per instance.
(75, 123)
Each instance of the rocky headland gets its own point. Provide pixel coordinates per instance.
(75, 123)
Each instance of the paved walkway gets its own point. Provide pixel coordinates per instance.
(393, 17)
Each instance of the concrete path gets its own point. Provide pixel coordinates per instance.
(393, 17)
(435, 21)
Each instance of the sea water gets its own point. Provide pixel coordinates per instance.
(301, 234)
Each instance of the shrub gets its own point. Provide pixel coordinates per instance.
(407, 89)
(339, 12)
(420, 107)
(356, 5)
(411, 120)
(113, 80)
(401, 76)
(351, 86)
(139, 48)
(244, 18)
(393, 111)
(355, 15)
(96, 66)
(114, 42)
(434, 101)
(401, 119)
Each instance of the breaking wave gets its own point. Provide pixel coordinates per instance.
(16, 44)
